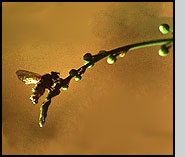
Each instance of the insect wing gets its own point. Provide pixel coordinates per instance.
(28, 77)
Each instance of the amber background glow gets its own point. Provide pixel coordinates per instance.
(125, 108)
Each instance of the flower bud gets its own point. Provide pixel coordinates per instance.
(73, 72)
(78, 77)
(111, 59)
(122, 54)
(164, 28)
(163, 51)
(65, 87)
(87, 57)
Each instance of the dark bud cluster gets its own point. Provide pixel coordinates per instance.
(88, 58)
(74, 73)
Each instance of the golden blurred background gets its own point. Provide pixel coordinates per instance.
(124, 108)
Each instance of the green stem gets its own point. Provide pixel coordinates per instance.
(126, 49)
(141, 45)
(96, 58)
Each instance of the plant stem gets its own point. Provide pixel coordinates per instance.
(126, 49)
(95, 59)
(149, 43)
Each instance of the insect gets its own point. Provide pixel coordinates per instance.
(41, 82)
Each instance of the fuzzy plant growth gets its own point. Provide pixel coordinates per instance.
(90, 60)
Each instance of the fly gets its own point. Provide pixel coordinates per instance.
(41, 82)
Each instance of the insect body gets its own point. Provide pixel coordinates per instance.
(41, 82)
